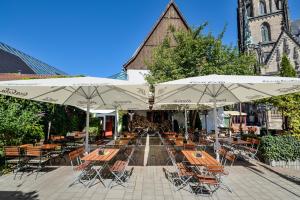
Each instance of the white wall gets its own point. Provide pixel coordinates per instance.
(210, 119)
(137, 75)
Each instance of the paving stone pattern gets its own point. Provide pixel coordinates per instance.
(148, 182)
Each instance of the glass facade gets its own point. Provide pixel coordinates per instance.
(36, 65)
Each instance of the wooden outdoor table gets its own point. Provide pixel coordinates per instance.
(23, 146)
(205, 160)
(48, 146)
(122, 142)
(94, 155)
(128, 137)
(172, 137)
(232, 142)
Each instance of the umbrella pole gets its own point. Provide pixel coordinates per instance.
(87, 126)
(116, 124)
(216, 130)
(185, 124)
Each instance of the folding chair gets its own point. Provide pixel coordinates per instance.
(253, 150)
(206, 183)
(13, 157)
(182, 174)
(219, 172)
(58, 153)
(36, 157)
(222, 152)
(230, 157)
(119, 172)
(82, 170)
(189, 146)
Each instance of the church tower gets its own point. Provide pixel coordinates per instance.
(260, 23)
(264, 28)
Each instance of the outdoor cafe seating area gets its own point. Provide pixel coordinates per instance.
(111, 162)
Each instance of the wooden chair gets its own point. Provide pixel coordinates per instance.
(222, 152)
(253, 150)
(189, 146)
(206, 183)
(120, 172)
(81, 169)
(14, 157)
(36, 158)
(58, 153)
(182, 174)
(230, 157)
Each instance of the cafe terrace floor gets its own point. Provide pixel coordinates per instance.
(247, 180)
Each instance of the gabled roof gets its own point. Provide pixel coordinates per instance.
(30, 64)
(171, 4)
(278, 42)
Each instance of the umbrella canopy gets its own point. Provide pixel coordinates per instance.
(82, 92)
(225, 89)
(220, 90)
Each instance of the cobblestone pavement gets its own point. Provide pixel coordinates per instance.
(148, 182)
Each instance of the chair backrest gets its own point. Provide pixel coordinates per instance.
(171, 155)
(80, 151)
(73, 157)
(34, 151)
(189, 146)
(230, 157)
(11, 151)
(222, 151)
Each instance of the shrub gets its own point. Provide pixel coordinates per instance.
(297, 136)
(278, 148)
(93, 131)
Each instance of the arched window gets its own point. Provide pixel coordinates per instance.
(279, 4)
(265, 32)
(262, 7)
(249, 9)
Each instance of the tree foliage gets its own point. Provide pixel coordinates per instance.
(287, 69)
(19, 121)
(288, 105)
(194, 54)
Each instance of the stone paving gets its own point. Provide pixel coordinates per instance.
(148, 182)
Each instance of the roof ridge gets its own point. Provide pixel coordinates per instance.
(171, 3)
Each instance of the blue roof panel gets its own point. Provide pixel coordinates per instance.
(36, 65)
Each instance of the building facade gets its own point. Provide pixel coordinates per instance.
(171, 17)
(264, 27)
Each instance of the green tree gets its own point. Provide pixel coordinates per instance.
(289, 105)
(194, 54)
(20, 121)
(286, 68)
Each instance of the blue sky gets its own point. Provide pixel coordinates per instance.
(97, 37)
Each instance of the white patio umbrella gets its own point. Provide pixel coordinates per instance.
(220, 90)
(81, 92)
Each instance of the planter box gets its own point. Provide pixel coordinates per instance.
(285, 164)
